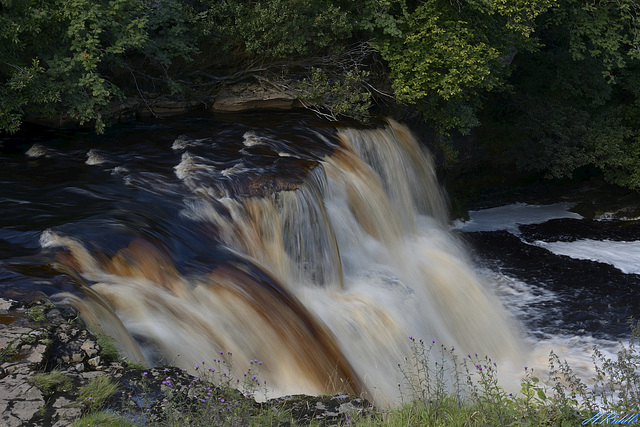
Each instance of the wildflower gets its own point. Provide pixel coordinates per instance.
(452, 348)
(212, 369)
(525, 368)
(222, 400)
(433, 341)
(197, 367)
(203, 362)
(469, 356)
(410, 337)
(144, 374)
(90, 398)
(254, 377)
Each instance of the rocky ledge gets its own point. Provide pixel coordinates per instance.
(53, 371)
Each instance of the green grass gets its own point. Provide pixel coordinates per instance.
(8, 353)
(51, 382)
(96, 392)
(36, 314)
(440, 388)
(102, 419)
(108, 349)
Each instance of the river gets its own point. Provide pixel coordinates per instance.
(317, 249)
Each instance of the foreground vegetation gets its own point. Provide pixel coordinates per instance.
(548, 85)
(441, 388)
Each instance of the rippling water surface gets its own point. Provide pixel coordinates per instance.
(318, 249)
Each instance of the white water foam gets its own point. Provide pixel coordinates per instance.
(511, 216)
(625, 256)
(36, 151)
(250, 139)
(183, 142)
(94, 157)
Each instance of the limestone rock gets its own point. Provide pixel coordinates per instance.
(245, 97)
(94, 362)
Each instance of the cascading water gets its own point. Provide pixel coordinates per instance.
(324, 271)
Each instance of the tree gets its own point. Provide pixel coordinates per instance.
(52, 54)
(575, 102)
(449, 54)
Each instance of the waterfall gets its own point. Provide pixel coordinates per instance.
(324, 278)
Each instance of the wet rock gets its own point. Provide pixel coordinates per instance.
(39, 346)
(327, 410)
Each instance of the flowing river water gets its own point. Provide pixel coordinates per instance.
(315, 249)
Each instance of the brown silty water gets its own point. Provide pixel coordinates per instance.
(329, 275)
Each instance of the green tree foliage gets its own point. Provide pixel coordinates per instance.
(52, 55)
(450, 53)
(304, 47)
(276, 29)
(575, 102)
(66, 57)
(559, 76)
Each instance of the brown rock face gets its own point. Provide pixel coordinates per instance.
(245, 97)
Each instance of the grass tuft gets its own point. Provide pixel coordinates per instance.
(96, 392)
(102, 419)
(108, 349)
(51, 382)
(439, 388)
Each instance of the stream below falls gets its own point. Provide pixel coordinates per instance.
(316, 248)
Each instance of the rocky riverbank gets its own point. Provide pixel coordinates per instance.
(53, 371)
